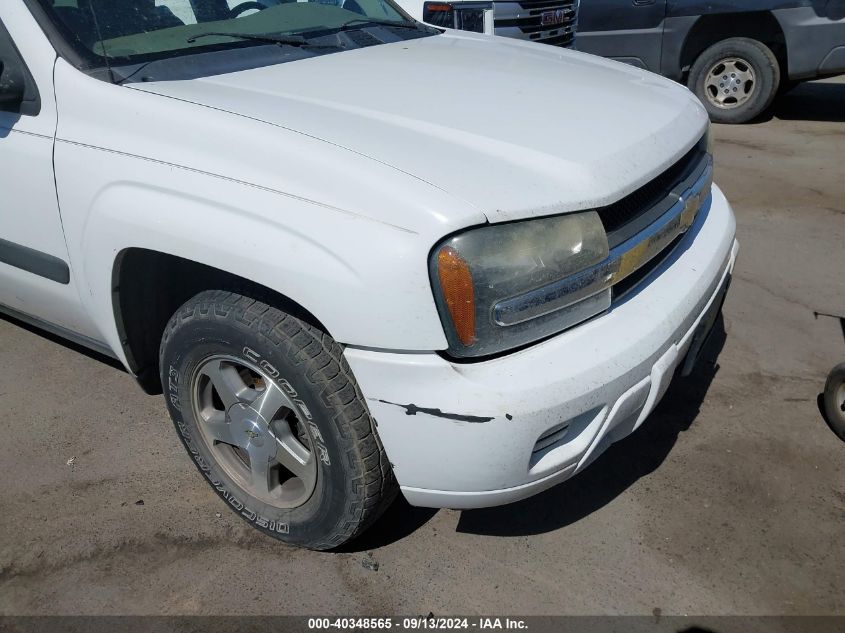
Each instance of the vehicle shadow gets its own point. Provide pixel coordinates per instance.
(613, 472)
(54, 338)
(400, 520)
(811, 101)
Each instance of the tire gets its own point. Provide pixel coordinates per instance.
(834, 400)
(747, 87)
(270, 413)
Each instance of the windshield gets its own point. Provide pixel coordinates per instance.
(128, 31)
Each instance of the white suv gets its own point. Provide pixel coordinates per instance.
(357, 254)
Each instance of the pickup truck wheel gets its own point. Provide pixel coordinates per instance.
(736, 79)
(834, 400)
(270, 413)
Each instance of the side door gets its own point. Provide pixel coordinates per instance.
(35, 275)
(630, 31)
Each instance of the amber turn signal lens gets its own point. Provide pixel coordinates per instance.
(458, 291)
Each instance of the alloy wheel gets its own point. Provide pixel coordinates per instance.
(254, 431)
(729, 83)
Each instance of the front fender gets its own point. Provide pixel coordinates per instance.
(345, 236)
(367, 282)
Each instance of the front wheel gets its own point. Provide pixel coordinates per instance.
(834, 400)
(736, 79)
(271, 415)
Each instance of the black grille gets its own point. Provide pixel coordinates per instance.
(546, 4)
(555, 39)
(529, 21)
(620, 218)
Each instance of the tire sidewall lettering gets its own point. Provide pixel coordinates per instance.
(211, 332)
(316, 436)
(175, 397)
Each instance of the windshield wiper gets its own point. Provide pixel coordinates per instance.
(290, 40)
(364, 22)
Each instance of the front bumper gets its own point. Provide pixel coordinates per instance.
(466, 435)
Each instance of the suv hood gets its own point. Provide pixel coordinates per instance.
(515, 129)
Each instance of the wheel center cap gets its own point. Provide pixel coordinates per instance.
(247, 423)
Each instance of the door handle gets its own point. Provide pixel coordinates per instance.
(642, 3)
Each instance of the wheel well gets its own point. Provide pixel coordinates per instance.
(148, 288)
(709, 29)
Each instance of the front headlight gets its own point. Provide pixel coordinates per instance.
(500, 287)
(486, 281)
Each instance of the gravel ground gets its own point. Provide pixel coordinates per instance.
(731, 499)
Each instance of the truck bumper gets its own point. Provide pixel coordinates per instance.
(481, 434)
(816, 43)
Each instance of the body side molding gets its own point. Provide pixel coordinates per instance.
(35, 262)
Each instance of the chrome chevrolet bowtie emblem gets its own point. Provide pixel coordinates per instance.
(691, 207)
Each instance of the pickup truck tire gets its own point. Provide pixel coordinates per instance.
(736, 79)
(834, 400)
(269, 411)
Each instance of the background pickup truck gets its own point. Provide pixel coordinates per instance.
(734, 55)
(543, 21)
